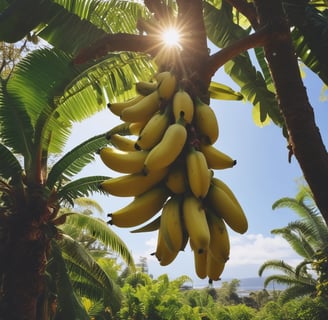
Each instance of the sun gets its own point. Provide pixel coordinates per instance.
(171, 37)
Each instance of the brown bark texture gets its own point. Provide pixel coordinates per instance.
(304, 136)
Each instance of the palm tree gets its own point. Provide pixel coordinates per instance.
(99, 53)
(308, 237)
(36, 114)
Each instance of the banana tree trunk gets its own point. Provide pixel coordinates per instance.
(305, 140)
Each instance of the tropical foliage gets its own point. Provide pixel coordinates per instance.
(308, 237)
(88, 62)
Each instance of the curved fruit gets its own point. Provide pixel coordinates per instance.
(166, 85)
(199, 262)
(214, 268)
(223, 206)
(136, 127)
(164, 255)
(143, 109)
(117, 107)
(171, 224)
(123, 161)
(215, 158)
(176, 180)
(168, 149)
(219, 244)
(153, 131)
(196, 223)
(121, 142)
(134, 184)
(146, 87)
(198, 173)
(183, 106)
(141, 209)
(206, 122)
(149, 227)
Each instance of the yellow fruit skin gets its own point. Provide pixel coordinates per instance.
(141, 209)
(167, 85)
(214, 268)
(219, 246)
(176, 179)
(171, 224)
(136, 127)
(223, 206)
(149, 227)
(168, 149)
(123, 161)
(122, 143)
(153, 131)
(196, 223)
(197, 172)
(183, 106)
(206, 122)
(199, 262)
(134, 184)
(142, 110)
(215, 158)
(145, 87)
(117, 107)
(164, 255)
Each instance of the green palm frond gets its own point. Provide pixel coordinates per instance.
(101, 231)
(75, 160)
(82, 265)
(15, 124)
(296, 291)
(80, 188)
(277, 265)
(301, 268)
(10, 168)
(296, 241)
(289, 281)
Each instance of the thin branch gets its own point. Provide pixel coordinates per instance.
(118, 42)
(247, 9)
(218, 59)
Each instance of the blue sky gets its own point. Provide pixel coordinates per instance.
(262, 176)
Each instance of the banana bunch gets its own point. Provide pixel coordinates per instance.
(168, 169)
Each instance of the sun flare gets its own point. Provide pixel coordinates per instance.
(171, 37)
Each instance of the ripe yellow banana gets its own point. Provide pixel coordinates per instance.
(121, 142)
(134, 184)
(123, 161)
(136, 127)
(142, 110)
(149, 227)
(153, 131)
(141, 209)
(219, 246)
(215, 158)
(214, 268)
(206, 122)
(183, 106)
(163, 254)
(223, 205)
(176, 179)
(166, 85)
(146, 87)
(196, 224)
(117, 107)
(171, 224)
(168, 149)
(197, 172)
(199, 262)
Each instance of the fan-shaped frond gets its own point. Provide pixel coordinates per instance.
(101, 231)
(15, 124)
(277, 265)
(75, 160)
(10, 168)
(80, 188)
(79, 257)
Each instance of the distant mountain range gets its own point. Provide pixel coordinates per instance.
(246, 284)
